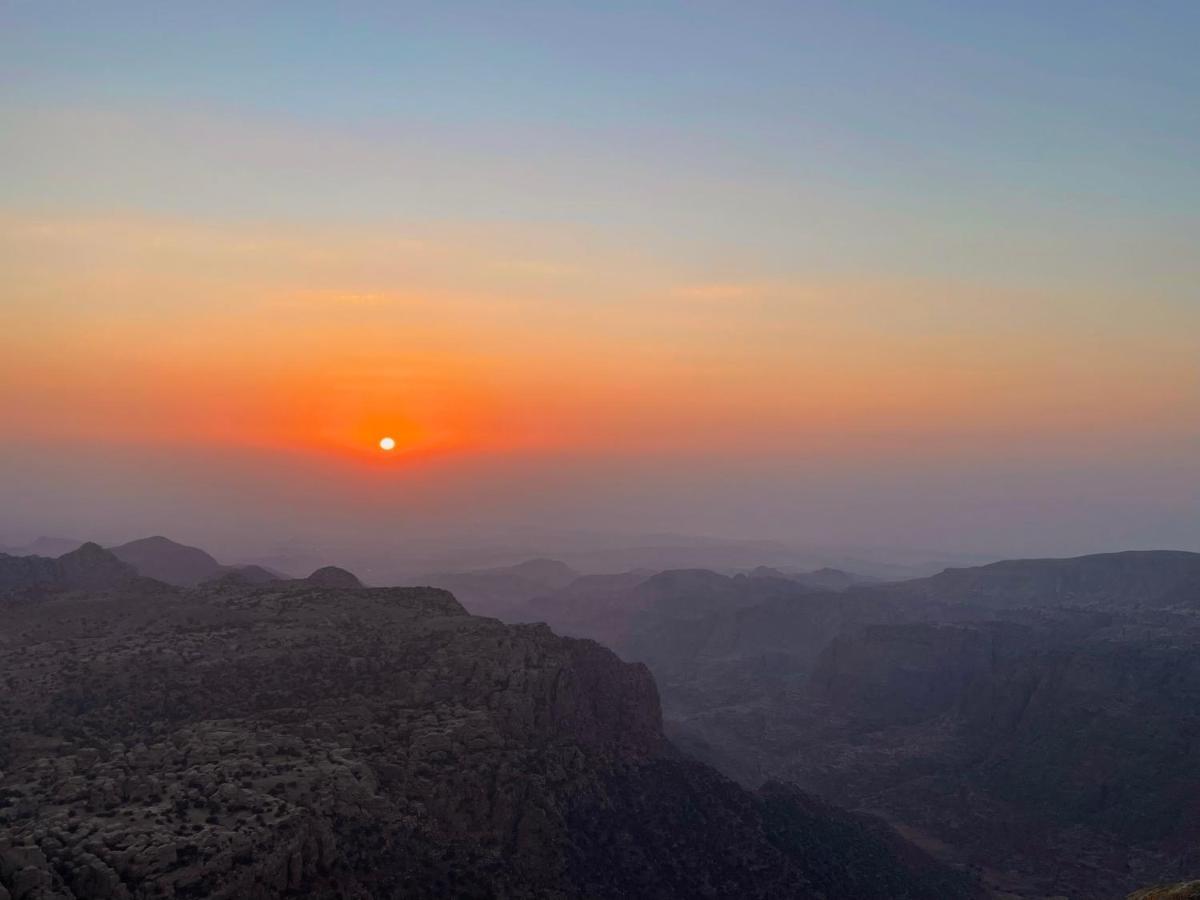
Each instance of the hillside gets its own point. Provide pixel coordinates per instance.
(1135, 579)
(1034, 718)
(255, 741)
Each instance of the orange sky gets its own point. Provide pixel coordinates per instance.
(478, 341)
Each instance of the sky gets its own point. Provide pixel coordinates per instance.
(916, 274)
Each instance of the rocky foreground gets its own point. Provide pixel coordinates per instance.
(314, 738)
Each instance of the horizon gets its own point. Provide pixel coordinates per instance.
(870, 278)
(588, 555)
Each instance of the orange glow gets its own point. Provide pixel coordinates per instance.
(169, 333)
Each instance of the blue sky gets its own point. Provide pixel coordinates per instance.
(918, 136)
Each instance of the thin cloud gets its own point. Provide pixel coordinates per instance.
(316, 300)
(717, 291)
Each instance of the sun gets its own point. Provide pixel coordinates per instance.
(387, 443)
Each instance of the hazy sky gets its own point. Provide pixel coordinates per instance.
(912, 274)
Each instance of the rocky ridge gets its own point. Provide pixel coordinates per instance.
(1034, 719)
(258, 741)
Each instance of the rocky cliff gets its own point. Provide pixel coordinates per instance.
(256, 741)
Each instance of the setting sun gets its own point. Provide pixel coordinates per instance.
(387, 443)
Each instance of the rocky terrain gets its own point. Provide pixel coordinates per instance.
(317, 738)
(1031, 722)
(1036, 720)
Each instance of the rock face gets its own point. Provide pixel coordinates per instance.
(301, 739)
(902, 673)
(166, 560)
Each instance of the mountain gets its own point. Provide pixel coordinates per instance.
(257, 574)
(333, 577)
(161, 558)
(616, 609)
(296, 739)
(764, 618)
(823, 579)
(178, 564)
(829, 579)
(800, 625)
(503, 591)
(53, 547)
(595, 606)
(549, 573)
(89, 567)
(1032, 718)
(1136, 579)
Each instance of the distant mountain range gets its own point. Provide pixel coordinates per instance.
(503, 591)
(86, 567)
(142, 565)
(50, 547)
